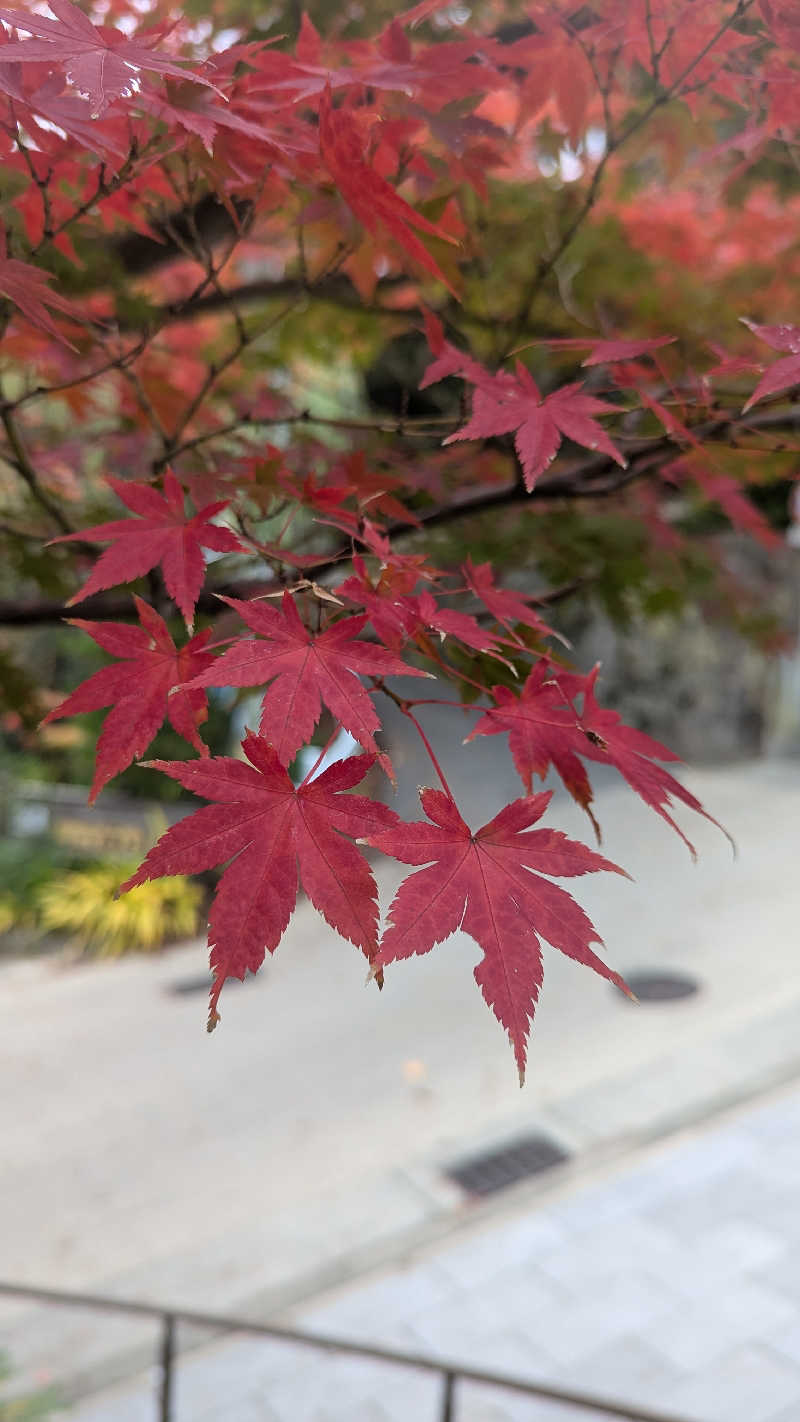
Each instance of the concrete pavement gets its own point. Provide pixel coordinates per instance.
(305, 1141)
(670, 1283)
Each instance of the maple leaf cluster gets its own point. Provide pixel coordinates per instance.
(224, 175)
(277, 834)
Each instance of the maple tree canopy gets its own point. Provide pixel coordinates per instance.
(576, 224)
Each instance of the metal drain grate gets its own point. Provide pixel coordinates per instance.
(662, 986)
(498, 1169)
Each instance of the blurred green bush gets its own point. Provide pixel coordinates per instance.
(80, 904)
(50, 892)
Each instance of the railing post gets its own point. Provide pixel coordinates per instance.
(166, 1361)
(448, 1398)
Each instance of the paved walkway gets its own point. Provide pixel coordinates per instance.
(671, 1283)
(305, 1141)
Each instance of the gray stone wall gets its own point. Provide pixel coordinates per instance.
(698, 685)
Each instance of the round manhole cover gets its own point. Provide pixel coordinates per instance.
(662, 986)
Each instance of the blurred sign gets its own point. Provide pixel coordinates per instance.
(119, 829)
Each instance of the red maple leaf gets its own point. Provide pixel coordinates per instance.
(100, 61)
(728, 364)
(204, 112)
(609, 352)
(27, 287)
(140, 690)
(436, 76)
(461, 625)
(784, 373)
(411, 566)
(271, 830)
(726, 491)
(374, 201)
(506, 606)
(329, 502)
(304, 670)
(448, 359)
(605, 352)
(372, 489)
(543, 730)
(740, 509)
(68, 112)
(484, 883)
(557, 73)
(611, 742)
(392, 611)
(398, 616)
(161, 534)
(504, 403)
(545, 727)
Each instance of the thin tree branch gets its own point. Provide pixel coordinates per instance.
(105, 187)
(114, 363)
(546, 264)
(424, 426)
(337, 290)
(594, 477)
(27, 473)
(110, 607)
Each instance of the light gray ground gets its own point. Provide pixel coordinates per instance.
(305, 1139)
(672, 1283)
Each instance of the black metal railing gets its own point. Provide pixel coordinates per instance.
(451, 1373)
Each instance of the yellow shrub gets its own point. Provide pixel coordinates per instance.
(81, 904)
(8, 913)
